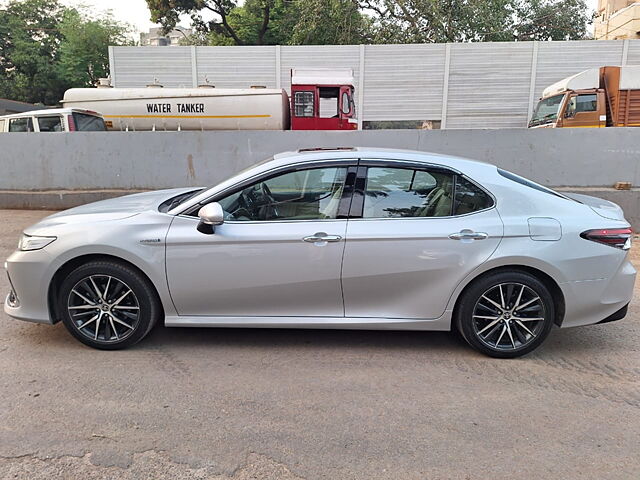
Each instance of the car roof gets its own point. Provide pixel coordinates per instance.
(312, 155)
(51, 111)
(374, 153)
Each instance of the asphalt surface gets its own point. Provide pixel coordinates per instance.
(296, 404)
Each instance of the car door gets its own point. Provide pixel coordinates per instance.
(415, 233)
(278, 253)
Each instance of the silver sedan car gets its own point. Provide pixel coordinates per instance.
(352, 238)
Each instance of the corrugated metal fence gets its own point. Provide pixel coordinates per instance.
(464, 85)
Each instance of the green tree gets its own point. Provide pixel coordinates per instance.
(84, 54)
(267, 22)
(431, 21)
(46, 48)
(29, 41)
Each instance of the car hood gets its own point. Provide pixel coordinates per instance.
(105, 210)
(604, 208)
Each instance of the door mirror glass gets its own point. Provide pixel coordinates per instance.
(210, 216)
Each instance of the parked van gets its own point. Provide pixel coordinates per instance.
(53, 120)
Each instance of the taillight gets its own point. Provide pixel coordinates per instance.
(614, 237)
(72, 123)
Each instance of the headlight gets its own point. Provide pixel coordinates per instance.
(28, 242)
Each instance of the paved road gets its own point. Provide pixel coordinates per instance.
(286, 404)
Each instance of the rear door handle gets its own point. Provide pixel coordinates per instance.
(321, 237)
(467, 234)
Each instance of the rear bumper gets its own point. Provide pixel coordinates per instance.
(590, 301)
(619, 315)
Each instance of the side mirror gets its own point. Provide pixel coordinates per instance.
(210, 216)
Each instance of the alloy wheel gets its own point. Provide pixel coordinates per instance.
(508, 316)
(103, 308)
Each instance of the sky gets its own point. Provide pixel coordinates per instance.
(136, 13)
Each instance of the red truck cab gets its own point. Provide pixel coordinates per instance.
(322, 100)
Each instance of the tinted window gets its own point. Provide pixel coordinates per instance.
(469, 197)
(312, 194)
(304, 104)
(50, 124)
(24, 124)
(403, 192)
(88, 123)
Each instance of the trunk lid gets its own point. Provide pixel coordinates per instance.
(604, 208)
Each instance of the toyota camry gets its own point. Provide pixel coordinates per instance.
(345, 238)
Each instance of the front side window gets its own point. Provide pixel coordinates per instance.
(303, 102)
(404, 192)
(50, 124)
(88, 123)
(24, 124)
(312, 194)
(586, 103)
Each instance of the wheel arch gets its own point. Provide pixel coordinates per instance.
(72, 264)
(544, 277)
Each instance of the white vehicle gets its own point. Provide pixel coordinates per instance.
(53, 120)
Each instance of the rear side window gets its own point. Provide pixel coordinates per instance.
(405, 192)
(24, 124)
(469, 197)
(50, 124)
(88, 123)
(528, 183)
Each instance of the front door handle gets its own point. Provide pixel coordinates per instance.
(467, 234)
(321, 237)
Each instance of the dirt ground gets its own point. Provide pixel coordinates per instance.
(296, 404)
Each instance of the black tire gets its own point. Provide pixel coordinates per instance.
(507, 332)
(122, 322)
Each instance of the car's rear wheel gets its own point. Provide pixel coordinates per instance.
(506, 314)
(108, 305)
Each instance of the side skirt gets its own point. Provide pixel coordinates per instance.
(438, 324)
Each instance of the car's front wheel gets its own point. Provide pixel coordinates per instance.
(505, 314)
(108, 305)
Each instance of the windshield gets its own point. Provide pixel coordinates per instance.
(88, 123)
(547, 110)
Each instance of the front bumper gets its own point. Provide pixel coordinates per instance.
(29, 279)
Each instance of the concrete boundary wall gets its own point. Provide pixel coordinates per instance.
(57, 171)
(151, 160)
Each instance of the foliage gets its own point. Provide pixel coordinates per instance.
(84, 56)
(304, 22)
(46, 48)
(429, 21)
(267, 22)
